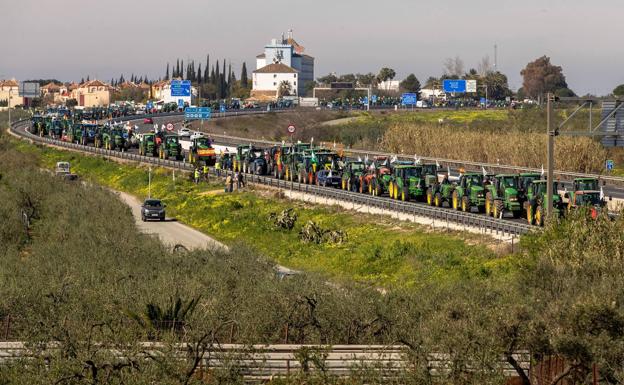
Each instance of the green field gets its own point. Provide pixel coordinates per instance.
(378, 250)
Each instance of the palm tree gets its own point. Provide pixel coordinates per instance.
(284, 88)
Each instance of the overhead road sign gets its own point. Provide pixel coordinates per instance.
(197, 113)
(409, 99)
(29, 90)
(180, 88)
(341, 85)
(454, 85)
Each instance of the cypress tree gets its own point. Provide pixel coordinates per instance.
(217, 75)
(177, 72)
(229, 78)
(166, 73)
(199, 74)
(207, 70)
(181, 74)
(87, 77)
(243, 78)
(212, 76)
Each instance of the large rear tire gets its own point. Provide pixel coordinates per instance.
(465, 204)
(429, 197)
(455, 201)
(539, 216)
(437, 199)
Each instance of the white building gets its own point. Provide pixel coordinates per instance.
(288, 53)
(428, 93)
(389, 85)
(267, 80)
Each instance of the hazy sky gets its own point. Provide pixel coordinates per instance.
(70, 39)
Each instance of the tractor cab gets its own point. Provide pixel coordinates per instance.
(586, 184)
(524, 182)
(471, 180)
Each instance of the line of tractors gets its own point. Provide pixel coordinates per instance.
(195, 149)
(497, 195)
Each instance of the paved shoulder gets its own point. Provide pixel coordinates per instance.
(170, 232)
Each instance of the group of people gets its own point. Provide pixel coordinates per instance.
(230, 179)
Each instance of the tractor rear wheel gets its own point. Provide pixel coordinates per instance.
(497, 210)
(455, 201)
(539, 216)
(404, 195)
(488, 204)
(391, 189)
(311, 177)
(429, 197)
(529, 213)
(437, 199)
(465, 204)
(343, 185)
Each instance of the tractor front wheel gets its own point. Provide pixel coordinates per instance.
(529, 212)
(437, 199)
(404, 195)
(455, 201)
(429, 197)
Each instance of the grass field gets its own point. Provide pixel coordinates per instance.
(377, 251)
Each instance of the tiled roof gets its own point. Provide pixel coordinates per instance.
(261, 56)
(9, 83)
(276, 68)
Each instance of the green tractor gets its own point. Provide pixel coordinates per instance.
(406, 181)
(114, 139)
(535, 204)
(201, 150)
(352, 176)
(289, 156)
(502, 196)
(469, 192)
(410, 181)
(147, 145)
(524, 183)
(37, 125)
(170, 148)
(439, 193)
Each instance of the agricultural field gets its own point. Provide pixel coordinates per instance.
(368, 249)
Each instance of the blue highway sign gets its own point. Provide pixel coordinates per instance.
(197, 113)
(408, 99)
(180, 88)
(454, 85)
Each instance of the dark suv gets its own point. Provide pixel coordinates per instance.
(153, 209)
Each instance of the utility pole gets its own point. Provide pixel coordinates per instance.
(550, 153)
(9, 106)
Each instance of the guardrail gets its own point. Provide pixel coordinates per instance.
(455, 164)
(484, 223)
(260, 362)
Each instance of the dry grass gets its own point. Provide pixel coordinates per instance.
(578, 154)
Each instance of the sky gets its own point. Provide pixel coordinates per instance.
(72, 39)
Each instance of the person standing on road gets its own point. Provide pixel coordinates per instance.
(196, 175)
(205, 171)
(240, 181)
(236, 174)
(231, 183)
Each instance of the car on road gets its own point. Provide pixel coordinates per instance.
(327, 178)
(153, 209)
(185, 131)
(148, 121)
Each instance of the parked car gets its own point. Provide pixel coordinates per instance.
(153, 209)
(185, 131)
(148, 121)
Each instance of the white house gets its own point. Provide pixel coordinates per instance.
(267, 80)
(389, 85)
(288, 53)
